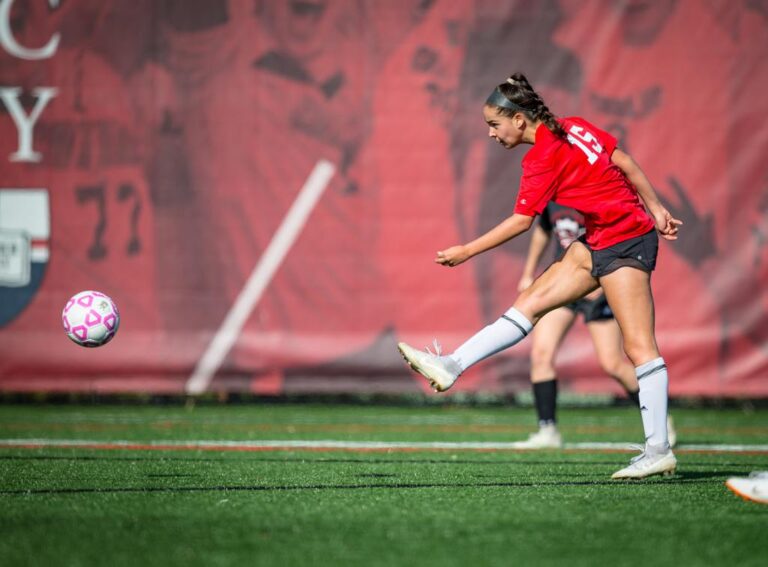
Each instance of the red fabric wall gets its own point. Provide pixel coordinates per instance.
(181, 132)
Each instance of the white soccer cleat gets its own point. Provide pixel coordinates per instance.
(753, 488)
(671, 433)
(440, 371)
(547, 437)
(648, 464)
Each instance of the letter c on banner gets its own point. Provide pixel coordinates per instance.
(14, 47)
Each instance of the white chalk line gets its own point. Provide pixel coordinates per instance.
(262, 275)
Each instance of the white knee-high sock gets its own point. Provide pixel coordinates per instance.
(508, 330)
(654, 383)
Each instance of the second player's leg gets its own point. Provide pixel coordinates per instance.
(546, 339)
(606, 338)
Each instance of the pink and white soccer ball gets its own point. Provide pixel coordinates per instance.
(90, 318)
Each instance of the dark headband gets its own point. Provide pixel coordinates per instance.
(497, 98)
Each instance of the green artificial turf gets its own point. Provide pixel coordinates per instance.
(113, 506)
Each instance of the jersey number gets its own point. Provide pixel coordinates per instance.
(99, 195)
(586, 142)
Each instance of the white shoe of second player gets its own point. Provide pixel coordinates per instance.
(754, 487)
(440, 371)
(547, 437)
(648, 463)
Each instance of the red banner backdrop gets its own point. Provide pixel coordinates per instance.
(261, 184)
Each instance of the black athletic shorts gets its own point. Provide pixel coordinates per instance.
(592, 309)
(639, 252)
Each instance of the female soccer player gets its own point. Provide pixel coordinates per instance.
(574, 164)
(566, 225)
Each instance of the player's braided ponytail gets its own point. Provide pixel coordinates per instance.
(520, 92)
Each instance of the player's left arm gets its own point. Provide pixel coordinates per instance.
(666, 224)
(504, 231)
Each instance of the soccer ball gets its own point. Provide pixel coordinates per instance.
(90, 318)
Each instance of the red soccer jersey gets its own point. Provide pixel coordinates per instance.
(578, 173)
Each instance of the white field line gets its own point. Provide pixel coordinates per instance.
(262, 274)
(357, 445)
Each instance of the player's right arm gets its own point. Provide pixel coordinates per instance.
(504, 231)
(539, 242)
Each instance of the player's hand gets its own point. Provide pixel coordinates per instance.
(524, 283)
(666, 224)
(452, 256)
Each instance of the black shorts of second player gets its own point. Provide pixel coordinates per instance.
(639, 252)
(592, 309)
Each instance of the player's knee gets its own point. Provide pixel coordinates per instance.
(611, 365)
(640, 351)
(530, 303)
(542, 357)
(524, 300)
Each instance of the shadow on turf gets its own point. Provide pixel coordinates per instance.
(305, 460)
(679, 479)
(745, 465)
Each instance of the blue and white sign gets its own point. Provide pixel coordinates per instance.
(25, 231)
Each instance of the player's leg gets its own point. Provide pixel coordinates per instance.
(546, 338)
(563, 282)
(628, 291)
(606, 337)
